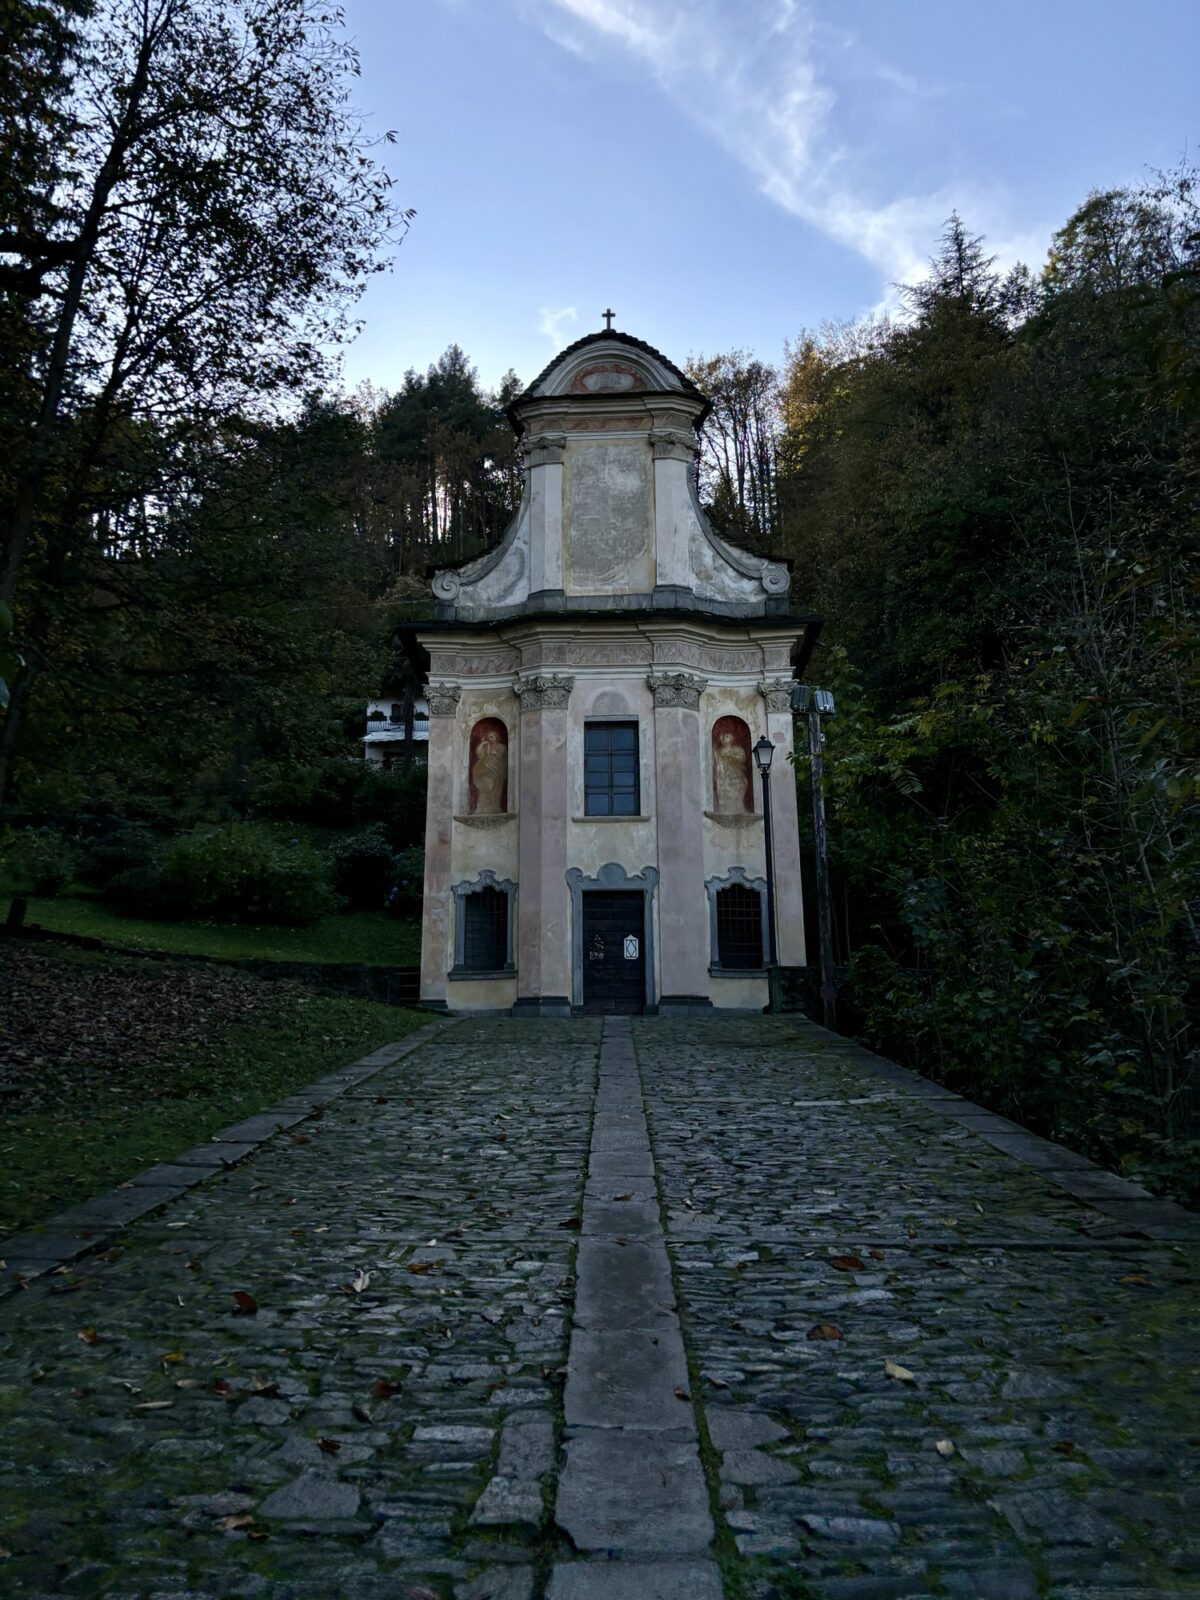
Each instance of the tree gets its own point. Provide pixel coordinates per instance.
(737, 461)
(216, 211)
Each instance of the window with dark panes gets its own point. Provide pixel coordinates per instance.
(485, 930)
(739, 927)
(610, 769)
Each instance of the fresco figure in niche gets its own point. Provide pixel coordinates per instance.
(732, 788)
(489, 768)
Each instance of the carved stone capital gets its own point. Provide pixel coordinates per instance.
(544, 691)
(669, 445)
(677, 689)
(443, 699)
(777, 692)
(544, 449)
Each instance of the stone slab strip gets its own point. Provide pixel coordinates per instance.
(1135, 1208)
(632, 1496)
(94, 1224)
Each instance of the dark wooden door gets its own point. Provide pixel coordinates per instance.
(614, 953)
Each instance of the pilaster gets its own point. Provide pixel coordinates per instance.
(789, 895)
(436, 953)
(680, 777)
(543, 900)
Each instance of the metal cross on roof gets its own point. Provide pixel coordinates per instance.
(608, 318)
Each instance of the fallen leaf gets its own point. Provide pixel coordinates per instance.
(154, 1405)
(265, 1386)
(88, 1336)
(1064, 1447)
(329, 1446)
(681, 1393)
(244, 1304)
(628, 1196)
(239, 1519)
(358, 1282)
(895, 1370)
(571, 1222)
(1135, 1277)
(825, 1330)
(360, 1414)
(220, 1387)
(875, 1255)
(848, 1263)
(187, 1383)
(419, 1267)
(384, 1388)
(173, 1355)
(944, 1447)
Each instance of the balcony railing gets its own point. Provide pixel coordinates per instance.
(396, 730)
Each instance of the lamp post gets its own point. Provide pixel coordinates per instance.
(815, 704)
(764, 752)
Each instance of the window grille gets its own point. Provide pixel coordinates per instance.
(739, 927)
(610, 780)
(485, 930)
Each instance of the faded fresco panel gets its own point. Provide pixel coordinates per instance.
(608, 518)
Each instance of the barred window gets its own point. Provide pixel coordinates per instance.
(610, 779)
(739, 927)
(485, 930)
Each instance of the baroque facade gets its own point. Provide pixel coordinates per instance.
(596, 684)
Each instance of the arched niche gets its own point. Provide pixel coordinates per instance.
(732, 767)
(487, 768)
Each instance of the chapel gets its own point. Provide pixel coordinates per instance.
(595, 685)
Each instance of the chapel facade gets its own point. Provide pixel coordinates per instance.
(596, 684)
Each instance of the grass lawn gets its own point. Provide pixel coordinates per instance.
(107, 1067)
(367, 936)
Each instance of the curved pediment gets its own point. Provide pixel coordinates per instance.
(609, 363)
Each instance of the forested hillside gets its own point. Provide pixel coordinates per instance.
(991, 497)
(993, 500)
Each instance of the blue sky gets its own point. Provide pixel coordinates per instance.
(727, 173)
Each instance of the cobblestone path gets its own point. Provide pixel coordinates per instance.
(922, 1356)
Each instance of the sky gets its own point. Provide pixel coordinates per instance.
(726, 174)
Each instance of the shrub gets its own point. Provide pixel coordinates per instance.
(238, 873)
(124, 849)
(342, 792)
(364, 869)
(39, 861)
(405, 899)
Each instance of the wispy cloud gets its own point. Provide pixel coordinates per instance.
(750, 73)
(555, 323)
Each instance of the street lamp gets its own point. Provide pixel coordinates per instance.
(815, 704)
(764, 751)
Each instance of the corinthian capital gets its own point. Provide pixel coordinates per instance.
(443, 699)
(544, 691)
(677, 689)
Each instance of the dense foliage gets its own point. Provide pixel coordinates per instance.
(994, 503)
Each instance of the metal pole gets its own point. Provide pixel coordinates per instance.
(821, 846)
(772, 957)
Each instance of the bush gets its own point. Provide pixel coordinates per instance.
(406, 897)
(125, 849)
(39, 861)
(239, 873)
(364, 869)
(343, 792)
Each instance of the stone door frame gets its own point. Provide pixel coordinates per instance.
(613, 878)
